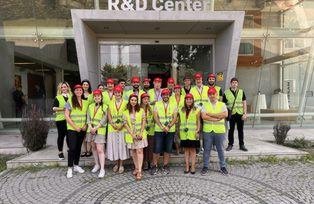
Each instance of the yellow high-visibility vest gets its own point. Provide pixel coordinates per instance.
(97, 116)
(165, 116)
(215, 126)
(77, 115)
(117, 115)
(238, 105)
(134, 125)
(60, 114)
(188, 125)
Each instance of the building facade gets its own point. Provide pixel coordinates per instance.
(40, 47)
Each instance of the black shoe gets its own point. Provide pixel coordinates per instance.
(153, 170)
(192, 172)
(243, 148)
(223, 170)
(204, 171)
(165, 169)
(186, 172)
(88, 154)
(61, 156)
(229, 148)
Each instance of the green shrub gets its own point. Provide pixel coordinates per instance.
(34, 129)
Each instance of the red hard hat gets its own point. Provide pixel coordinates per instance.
(211, 90)
(177, 86)
(133, 95)
(118, 89)
(97, 92)
(165, 91)
(198, 75)
(78, 86)
(135, 79)
(157, 79)
(189, 96)
(170, 80)
(211, 75)
(144, 95)
(110, 81)
(146, 80)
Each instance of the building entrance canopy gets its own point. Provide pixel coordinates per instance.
(91, 26)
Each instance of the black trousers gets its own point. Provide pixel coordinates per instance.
(236, 119)
(62, 132)
(75, 140)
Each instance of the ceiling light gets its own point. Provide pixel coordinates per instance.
(20, 63)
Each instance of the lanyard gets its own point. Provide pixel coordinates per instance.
(200, 92)
(166, 109)
(157, 95)
(187, 114)
(110, 94)
(118, 107)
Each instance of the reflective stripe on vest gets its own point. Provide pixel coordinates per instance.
(238, 105)
(96, 118)
(60, 114)
(117, 116)
(135, 126)
(78, 116)
(165, 119)
(188, 126)
(215, 126)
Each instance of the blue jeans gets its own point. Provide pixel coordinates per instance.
(208, 140)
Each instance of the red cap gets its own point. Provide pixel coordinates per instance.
(78, 86)
(211, 90)
(177, 86)
(146, 80)
(165, 91)
(133, 95)
(135, 79)
(110, 81)
(144, 95)
(211, 75)
(198, 75)
(189, 96)
(157, 79)
(170, 80)
(118, 89)
(97, 92)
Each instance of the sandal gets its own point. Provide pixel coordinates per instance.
(83, 154)
(115, 168)
(135, 172)
(139, 176)
(88, 154)
(121, 169)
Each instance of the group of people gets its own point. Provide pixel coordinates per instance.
(145, 123)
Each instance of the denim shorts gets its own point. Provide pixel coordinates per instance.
(163, 142)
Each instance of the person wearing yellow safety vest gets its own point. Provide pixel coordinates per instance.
(150, 129)
(87, 95)
(178, 100)
(63, 94)
(136, 135)
(116, 146)
(155, 93)
(135, 88)
(235, 100)
(108, 95)
(165, 116)
(75, 115)
(199, 91)
(189, 123)
(212, 83)
(96, 131)
(187, 85)
(213, 114)
(146, 84)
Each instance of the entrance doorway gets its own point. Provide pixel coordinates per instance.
(164, 60)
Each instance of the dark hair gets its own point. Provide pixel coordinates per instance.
(121, 80)
(101, 84)
(234, 79)
(75, 102)
(89, 88)
(185, 107)
(129, 106)
(144, 106)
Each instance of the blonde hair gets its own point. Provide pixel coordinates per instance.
(59, 92)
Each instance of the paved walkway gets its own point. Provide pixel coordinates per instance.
(257, 183)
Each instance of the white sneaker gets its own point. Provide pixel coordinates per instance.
(95, 169)
(78, 169)
(102, 173)
(69, 173)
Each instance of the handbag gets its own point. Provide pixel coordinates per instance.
(230, 111)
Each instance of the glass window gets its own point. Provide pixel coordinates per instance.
(246, 47)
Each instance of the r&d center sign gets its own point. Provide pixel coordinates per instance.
(159, 5)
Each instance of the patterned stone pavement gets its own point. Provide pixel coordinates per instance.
(254, 183)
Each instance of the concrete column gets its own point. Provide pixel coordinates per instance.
(7, 73)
